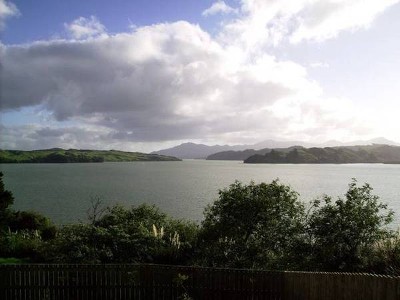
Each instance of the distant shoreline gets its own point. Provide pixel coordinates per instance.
(371, 154)
(57, 155)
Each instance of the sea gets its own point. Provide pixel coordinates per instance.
(63, 192)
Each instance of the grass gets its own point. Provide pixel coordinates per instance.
(11, 260)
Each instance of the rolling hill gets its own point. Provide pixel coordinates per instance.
(57, 155)
(329, 155)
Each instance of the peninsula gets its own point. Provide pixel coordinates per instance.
(329, 155)
(58, 155)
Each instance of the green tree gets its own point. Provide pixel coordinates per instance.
(342, 234)
(6, 197)
(31, 221)
(254, 225)
(23, 244)
(6, 200)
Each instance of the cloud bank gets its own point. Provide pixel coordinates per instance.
(175, 82)
(271, 22)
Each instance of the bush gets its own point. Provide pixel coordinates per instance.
(385, 256)
(140, 234)
(31, 221)
(21, 244)
(252, 226)
(343, 233)
(6, 200)
(6, 197)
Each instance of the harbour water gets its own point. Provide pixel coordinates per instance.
(181, 189)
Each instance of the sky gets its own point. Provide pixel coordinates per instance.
(146, 75)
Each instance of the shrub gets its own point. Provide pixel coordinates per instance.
(21, 244)
(252, 225)
(139, 234)
(342, 233)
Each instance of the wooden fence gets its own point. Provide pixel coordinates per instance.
(119, 282)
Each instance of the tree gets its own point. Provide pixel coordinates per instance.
(6, 197)
(253, 225)
(31, 221)
(343, 233)
(6, 200)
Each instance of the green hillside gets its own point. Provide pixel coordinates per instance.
(330, 155)
(57, 155)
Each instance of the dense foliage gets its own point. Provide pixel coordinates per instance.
(249, 226)
(139, 234)
(342, 234)
(6, 197)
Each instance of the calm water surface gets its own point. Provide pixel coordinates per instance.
(181, 189)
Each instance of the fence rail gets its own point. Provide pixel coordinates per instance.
(84, 282)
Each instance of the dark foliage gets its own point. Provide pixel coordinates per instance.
(31, 221)
(6, 197)
(342, 234)
(251, 225)
(139, 234)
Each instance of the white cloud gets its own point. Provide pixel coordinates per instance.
(219, 7)
(83, 28)
(319, 64)
(263, 22)
(7, 10)
(320, 20)
(160, 83)
(174, 81)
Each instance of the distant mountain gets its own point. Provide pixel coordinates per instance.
(236, 155)
(242, 155)
(58, 155)
(272, 144)
(330, 155)
(196, 151)
(201, 151)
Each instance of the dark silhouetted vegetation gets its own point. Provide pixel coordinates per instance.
(138, 234)
(345, 234)
(6, 197)
(252, 226)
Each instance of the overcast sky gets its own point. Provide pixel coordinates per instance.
(145, 75)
